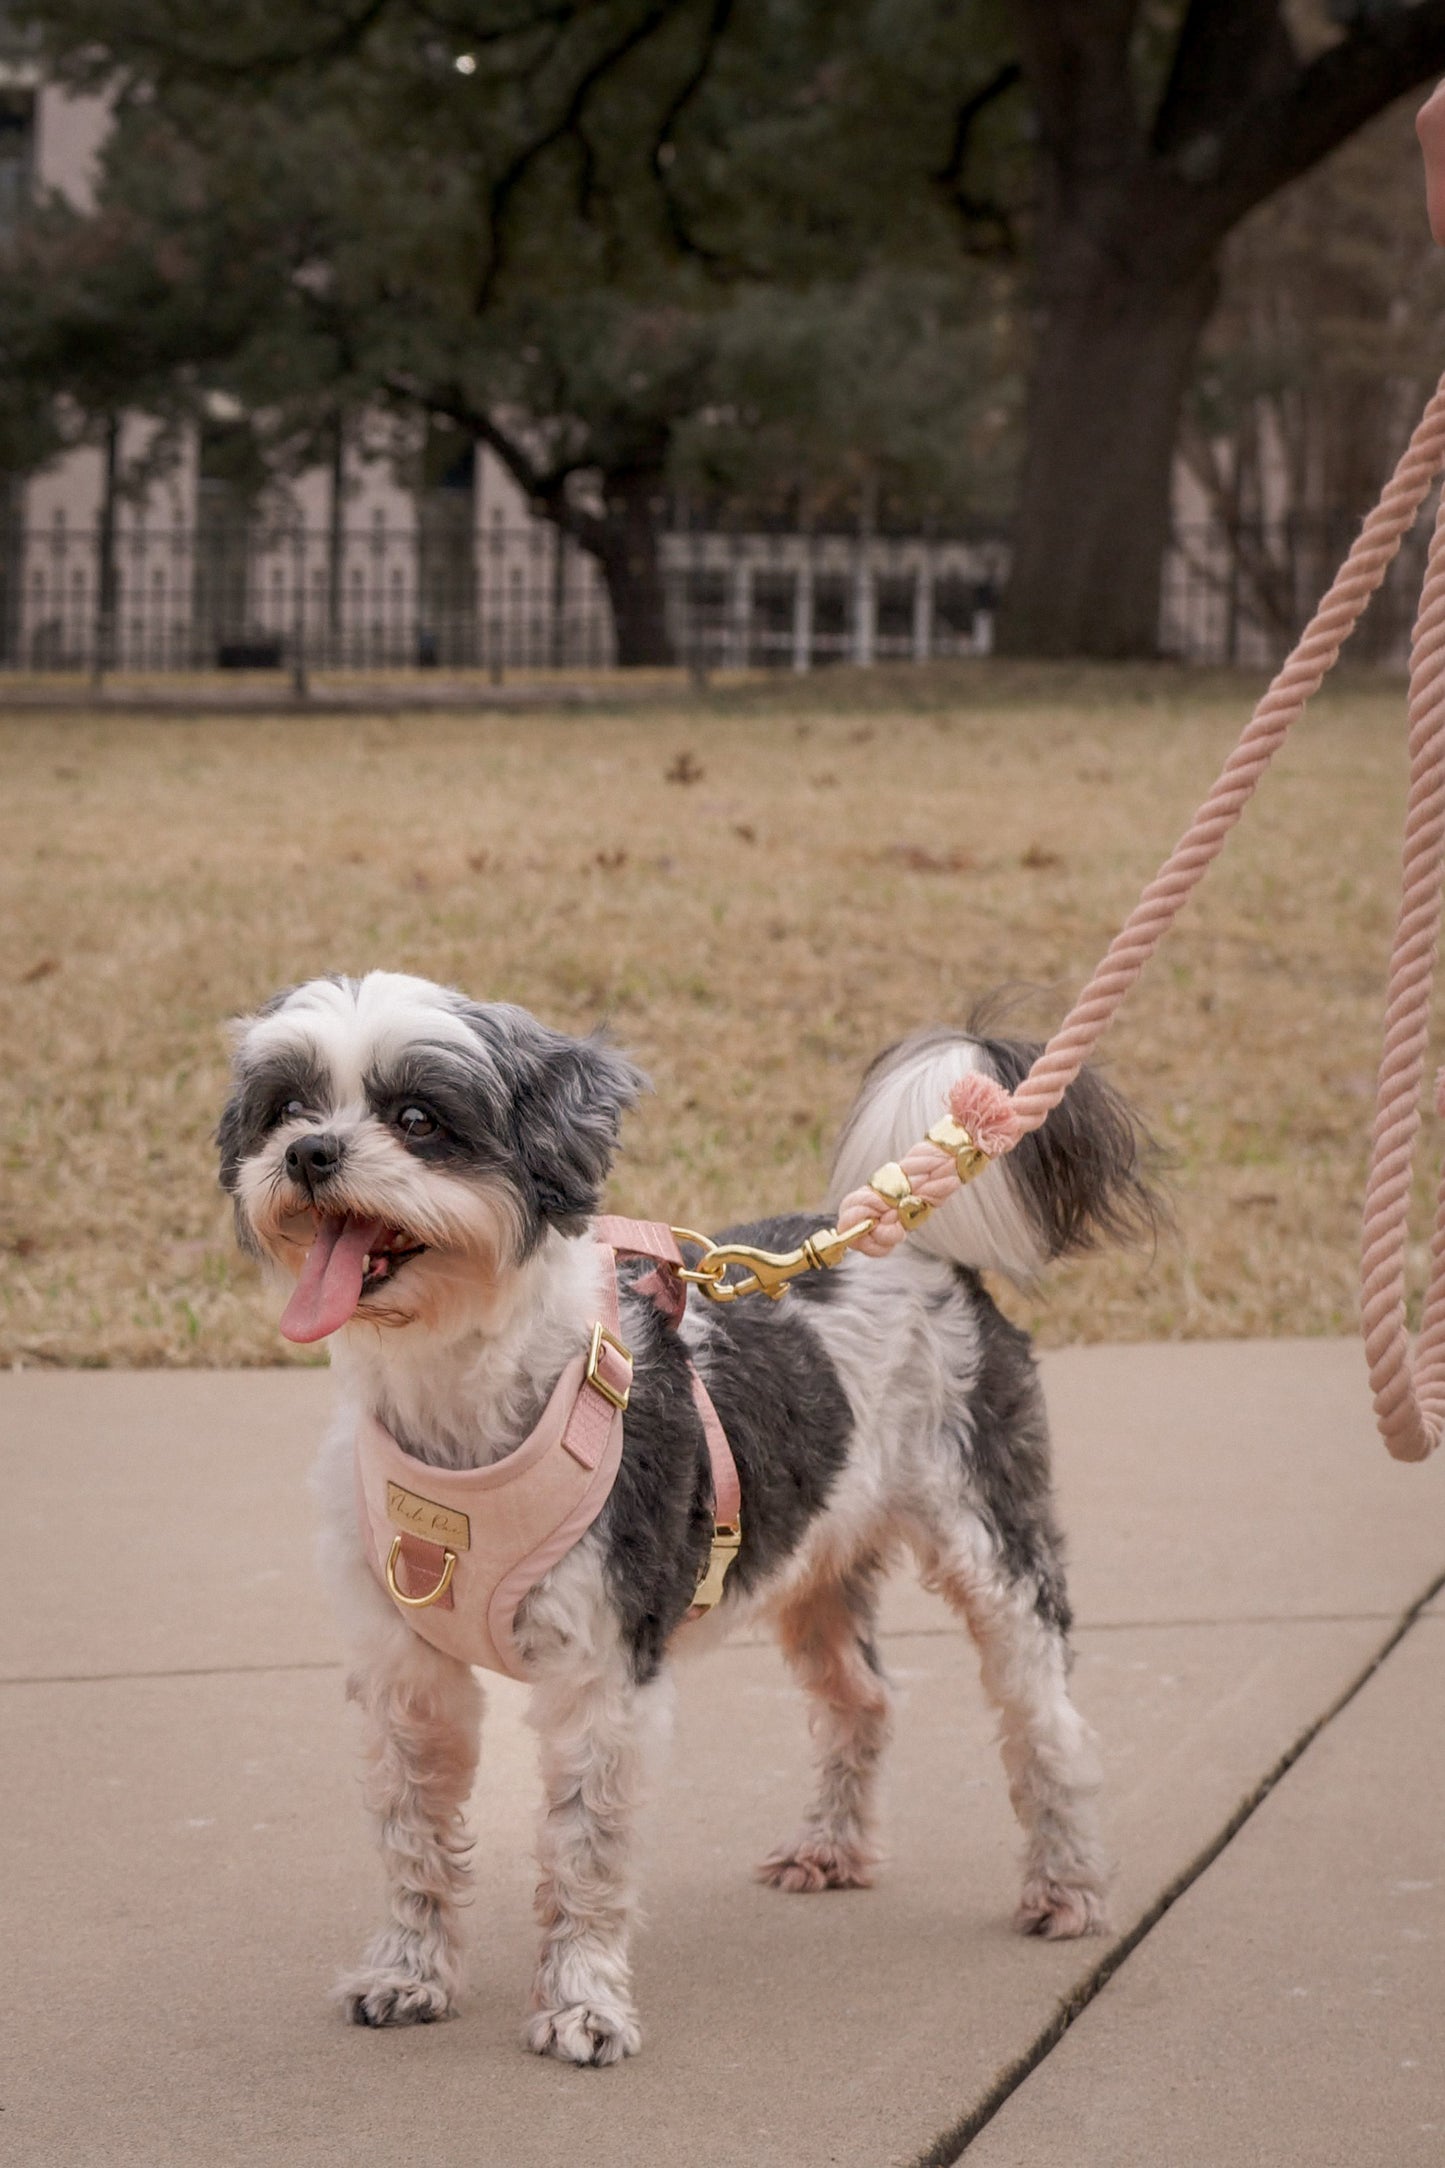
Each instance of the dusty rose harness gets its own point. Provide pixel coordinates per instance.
(457, 1549)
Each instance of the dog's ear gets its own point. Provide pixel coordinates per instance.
(568, 1097)
(230, 1137)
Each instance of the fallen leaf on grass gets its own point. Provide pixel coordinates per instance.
(479, 860)
(1037, 859)
(685, 769)
(745, 831)
(611, 861)
(45, 969)
(917, 859)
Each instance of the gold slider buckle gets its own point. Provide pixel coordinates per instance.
(419, 1603)
(951, 1137)
(726, 1541)
(601, 1338)
(891, 1183)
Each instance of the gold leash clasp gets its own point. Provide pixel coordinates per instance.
(765, 1272)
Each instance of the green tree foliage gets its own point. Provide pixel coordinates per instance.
(614, 238)
(607, 245)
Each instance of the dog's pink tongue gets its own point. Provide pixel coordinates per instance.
(330, 1284)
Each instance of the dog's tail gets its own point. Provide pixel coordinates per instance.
(1080, 1180)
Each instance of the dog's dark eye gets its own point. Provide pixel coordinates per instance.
(292, 1111)
(415, 1123)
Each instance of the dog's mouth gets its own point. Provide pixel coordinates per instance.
(385, 1258)
(349, 1259)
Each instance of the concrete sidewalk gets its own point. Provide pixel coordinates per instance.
(188, 1866)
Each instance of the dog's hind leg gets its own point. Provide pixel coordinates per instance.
(422, 1716)
(598, 1735)
(827, 1637)
(1018, 1620)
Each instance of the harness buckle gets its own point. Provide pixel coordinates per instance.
(726, 1539)
(618, 1395)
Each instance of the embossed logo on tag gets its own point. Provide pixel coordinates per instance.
(423, 1517)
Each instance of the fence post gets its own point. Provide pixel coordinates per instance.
(557, 645)
(103, 657)
(803, 611)
(740, 611)
(865, 601)
(923, 605)
(299, 686)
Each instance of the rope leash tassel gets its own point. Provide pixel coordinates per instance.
(1409, 1392)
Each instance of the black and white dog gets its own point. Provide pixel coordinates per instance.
(880, 1407)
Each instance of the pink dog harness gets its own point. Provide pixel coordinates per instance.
(457, 1549)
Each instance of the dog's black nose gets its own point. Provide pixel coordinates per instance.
(313, 1159)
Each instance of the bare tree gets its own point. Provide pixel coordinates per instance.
(1144, 170)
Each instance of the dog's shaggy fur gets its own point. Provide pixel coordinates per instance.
(881, 1406)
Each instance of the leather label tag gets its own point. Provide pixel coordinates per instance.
(424, 1518)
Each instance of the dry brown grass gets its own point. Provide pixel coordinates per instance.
(851, 857)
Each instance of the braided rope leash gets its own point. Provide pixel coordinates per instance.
(984, 1121)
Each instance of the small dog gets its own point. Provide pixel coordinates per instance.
(883, 1406)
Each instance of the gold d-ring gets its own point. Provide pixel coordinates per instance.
(419, 1603)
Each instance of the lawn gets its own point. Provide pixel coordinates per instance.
(756, 887)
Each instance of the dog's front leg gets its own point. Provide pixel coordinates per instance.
(598, 1735)
(422, 1716)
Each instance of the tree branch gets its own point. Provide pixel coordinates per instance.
(510, 179)
(974, 210)
(215, 67)
(1393, 51)
(545, 487)
(682, 235)
(1227, 52)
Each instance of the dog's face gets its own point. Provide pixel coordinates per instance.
(399, 1150)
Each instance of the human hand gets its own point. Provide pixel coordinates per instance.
(1430, 128)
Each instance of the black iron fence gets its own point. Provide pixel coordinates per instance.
(523, 597)
(1245, 594)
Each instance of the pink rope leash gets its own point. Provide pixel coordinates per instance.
(1409, 1397)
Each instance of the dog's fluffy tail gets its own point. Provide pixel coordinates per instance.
(1078, 1181)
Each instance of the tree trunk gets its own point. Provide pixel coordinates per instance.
(1113, 359)
(628, 544)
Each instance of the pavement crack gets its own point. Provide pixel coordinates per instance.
(954, 2142)
(180, 1671)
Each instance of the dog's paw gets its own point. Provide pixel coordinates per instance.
(1059, 1911)
(815, 1863)
(597, 2032)
(393, 1998)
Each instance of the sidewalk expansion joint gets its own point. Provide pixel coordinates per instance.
(181, 1671)
(954, 2143)
(951, 1630)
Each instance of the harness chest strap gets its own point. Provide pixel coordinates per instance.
(459, 1549)
(648, 1238)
